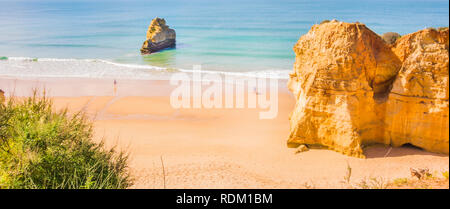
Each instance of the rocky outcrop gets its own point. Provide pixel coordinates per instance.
(342, 80)
(159, 37)
(418, 105)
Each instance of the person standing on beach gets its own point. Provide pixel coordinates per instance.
(115, 87)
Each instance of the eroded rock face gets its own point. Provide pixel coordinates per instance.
(159, 37)
(342, 80)
(417, 109)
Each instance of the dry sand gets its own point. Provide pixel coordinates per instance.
(214, 148)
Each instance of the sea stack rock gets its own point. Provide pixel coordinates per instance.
(159, 37)
(353, 89)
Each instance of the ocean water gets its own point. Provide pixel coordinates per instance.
(84, 38)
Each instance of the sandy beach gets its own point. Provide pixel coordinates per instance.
(213, 148)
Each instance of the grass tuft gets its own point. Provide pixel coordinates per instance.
(373, 183)
(43, 149)
(445, 174)
(400, 181)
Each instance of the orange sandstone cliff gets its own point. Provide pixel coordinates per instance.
(417, 109)
(353, 89)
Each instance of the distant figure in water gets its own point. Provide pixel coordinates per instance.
(115, 87)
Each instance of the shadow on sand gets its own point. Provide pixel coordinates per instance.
(380, 151)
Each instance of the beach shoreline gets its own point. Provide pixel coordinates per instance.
(212, 148)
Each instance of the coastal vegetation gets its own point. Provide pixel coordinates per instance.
(430, 180)
(438, 29)
(41, 149)
(390, 37)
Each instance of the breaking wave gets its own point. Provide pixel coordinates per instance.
(99, 68)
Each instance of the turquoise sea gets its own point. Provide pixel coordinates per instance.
(99, 38)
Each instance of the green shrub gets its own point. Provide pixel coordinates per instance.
(438, 29)
(390, 37)
(445, 174)
(442, 28)
(400, 181)
(41, 149)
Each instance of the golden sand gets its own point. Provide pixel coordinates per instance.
(215, 148)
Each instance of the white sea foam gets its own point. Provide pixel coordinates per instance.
(99, 68)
